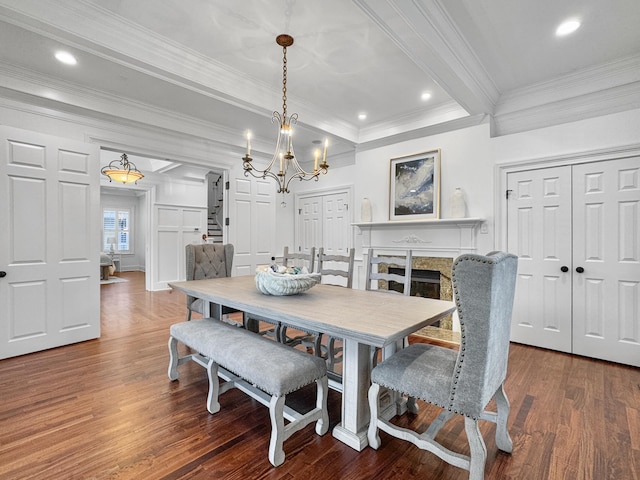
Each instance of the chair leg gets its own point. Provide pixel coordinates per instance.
(173, 359)
(374, 407)
(503, 440)
(412, 405)
(477, 448)
(317, 345)
(374, 357)
(322, 387)
(331, 353)
(214, 387)
(276, 412)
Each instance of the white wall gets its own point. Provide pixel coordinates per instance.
(469, 159)
(609, 131)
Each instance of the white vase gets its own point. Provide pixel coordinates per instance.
(365, 210)
(458, 204)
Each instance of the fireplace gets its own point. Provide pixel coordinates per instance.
(424, 283)
(430, 277)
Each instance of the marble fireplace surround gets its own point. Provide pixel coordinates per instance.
(434, 245)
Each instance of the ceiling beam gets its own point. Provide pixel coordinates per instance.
(425, 32)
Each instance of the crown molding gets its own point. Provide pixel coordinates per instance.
(590, 80)
(123, 134)
(593, 92)
(70, 97)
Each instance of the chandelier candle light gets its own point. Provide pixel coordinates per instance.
(289, 168)
(126, 172)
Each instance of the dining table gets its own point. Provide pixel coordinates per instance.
(362, 318)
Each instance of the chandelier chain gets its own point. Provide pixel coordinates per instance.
(284, 83)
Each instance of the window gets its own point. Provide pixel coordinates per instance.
(117, 230)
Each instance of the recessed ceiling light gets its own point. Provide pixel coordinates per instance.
(425, 96)
(567, 27)
(66, 58)
(362, 116)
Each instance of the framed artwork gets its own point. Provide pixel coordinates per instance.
(415, 186)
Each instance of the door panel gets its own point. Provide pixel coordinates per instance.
(252, 229)
(539, 232)
(49, 207)
(336, 224)
(606, 212)
(310, 223)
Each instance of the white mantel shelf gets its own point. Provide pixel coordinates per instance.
(421, 223)
(448, 237)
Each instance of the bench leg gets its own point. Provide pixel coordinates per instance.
(214, 387)
(173, 358)
(322, 390)
(276, 412)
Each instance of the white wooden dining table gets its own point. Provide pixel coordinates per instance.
(363, 319)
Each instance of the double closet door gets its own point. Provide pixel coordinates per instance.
(576, 231)
(324, 220)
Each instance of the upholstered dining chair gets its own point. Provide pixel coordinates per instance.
(461, 382)
(207, 260)
(334, 270)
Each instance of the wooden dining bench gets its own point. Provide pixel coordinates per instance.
(262, 368)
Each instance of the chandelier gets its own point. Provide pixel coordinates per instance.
(122, 171)
(284, 158)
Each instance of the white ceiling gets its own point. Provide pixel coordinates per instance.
(213, 67)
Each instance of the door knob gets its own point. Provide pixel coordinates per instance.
(579, 269)
(3, 274)
(564, 268)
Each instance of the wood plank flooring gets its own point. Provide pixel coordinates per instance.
(105, 409)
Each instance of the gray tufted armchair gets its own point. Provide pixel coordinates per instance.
(207, 260)
(461, 382)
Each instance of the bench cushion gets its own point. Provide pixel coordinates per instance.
(272, 367)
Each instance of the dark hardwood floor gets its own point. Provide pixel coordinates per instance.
(105, 409)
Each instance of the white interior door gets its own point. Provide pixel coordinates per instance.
(50, 217)
(336, 224)
(310, 223)
(251, 228)
(606, 241)
(324, 221)
(539, 232)
(175, 227)
(576, 230)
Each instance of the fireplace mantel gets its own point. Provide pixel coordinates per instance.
(444, 222)
(439, 238)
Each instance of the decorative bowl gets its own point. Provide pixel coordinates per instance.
(272, 283)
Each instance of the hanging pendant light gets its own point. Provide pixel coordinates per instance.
(122, 171)
(284, 165)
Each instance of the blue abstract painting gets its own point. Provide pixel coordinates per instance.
(414, 187)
